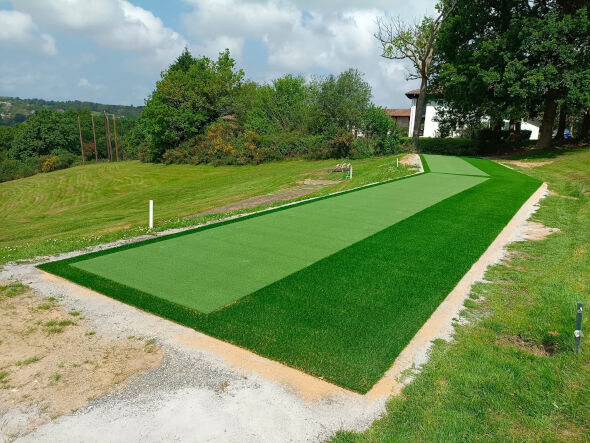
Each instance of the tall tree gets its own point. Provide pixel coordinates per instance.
(513, 59)
(415, 43)
(192, 93)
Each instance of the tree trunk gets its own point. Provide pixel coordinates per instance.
(585, 129)
(420, 108)
(561, 124)
(545, 134)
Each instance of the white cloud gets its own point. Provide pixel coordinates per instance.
(85, 83)
(113, 24)
(17, 28)
(308, 36)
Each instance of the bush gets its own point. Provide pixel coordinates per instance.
(391, 143)
(363, 147)
(490, 141)
(48, 163)
(447, 146)
(11, 169)
(341, 145)
(176, 157)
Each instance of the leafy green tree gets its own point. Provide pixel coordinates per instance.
(44, 132)
(376, 122)
(279, 107)
(6, 137)
(338, 103)
(189, 96)
(513, 59)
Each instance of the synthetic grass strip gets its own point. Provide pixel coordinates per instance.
(451, 165)
(206, 270)
(346, 317)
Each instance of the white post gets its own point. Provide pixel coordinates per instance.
(350, 176)
(397, 162)
(151, 214)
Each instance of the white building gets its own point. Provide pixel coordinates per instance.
(429, 126)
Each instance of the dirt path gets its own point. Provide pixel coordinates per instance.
(306, 187)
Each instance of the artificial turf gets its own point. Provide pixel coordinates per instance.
(206, 270)
(348, 315)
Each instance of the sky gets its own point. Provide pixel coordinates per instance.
(113, 51)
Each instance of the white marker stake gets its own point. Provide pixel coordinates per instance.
(151, 214)
(350, 171)
(397, 162)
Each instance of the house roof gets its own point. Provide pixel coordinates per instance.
(398, 112)
(414, 93)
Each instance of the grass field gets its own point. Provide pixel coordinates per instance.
(87, 205)
(336, 287)
(511, 374)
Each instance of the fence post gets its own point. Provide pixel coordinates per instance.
(578, 334)
(151, 224)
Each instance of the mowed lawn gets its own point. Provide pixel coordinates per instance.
(95, 203)
(335, 287)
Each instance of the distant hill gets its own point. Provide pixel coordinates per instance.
(15, 110)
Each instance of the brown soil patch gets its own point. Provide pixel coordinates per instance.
(535, 231)
(540, 350)
(52, 362)
(309, 181)
(411, 160)
(529, 164)
(555, 194)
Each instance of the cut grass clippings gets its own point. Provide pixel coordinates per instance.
(346, 317)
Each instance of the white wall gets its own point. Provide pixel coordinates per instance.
(531, 127)
(430, 126)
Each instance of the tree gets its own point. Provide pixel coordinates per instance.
(279, 107)
(415, 43)
(192, 93)
(337, 104)
(44, 132)
(513, 59)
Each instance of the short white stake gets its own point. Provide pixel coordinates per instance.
(151, 214)
(350, 176)
(397, 162)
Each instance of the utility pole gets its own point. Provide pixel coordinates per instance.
(94, 135)
(81, 142)
(107, 131)
(116, 141)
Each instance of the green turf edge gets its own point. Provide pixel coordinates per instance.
(424, 164)
(216, 224)
(170, 310)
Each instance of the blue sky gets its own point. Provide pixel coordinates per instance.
(112, 51)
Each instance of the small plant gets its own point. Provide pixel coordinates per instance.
(12, 290)
(44, 307)
(3, 375)
(90, 333)
(28, 361)
(74, 313)
(55, 377)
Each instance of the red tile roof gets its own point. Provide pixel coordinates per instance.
(398, 112)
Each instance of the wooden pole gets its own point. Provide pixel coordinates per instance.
(116, 141)
(94, 135)
(107, 131)
(81, 142)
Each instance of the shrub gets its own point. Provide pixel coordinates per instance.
(176, 157)
(48, 163)
(447, 146)
(363, 147)
(390, 143)
(11, 169)
(341, 145)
